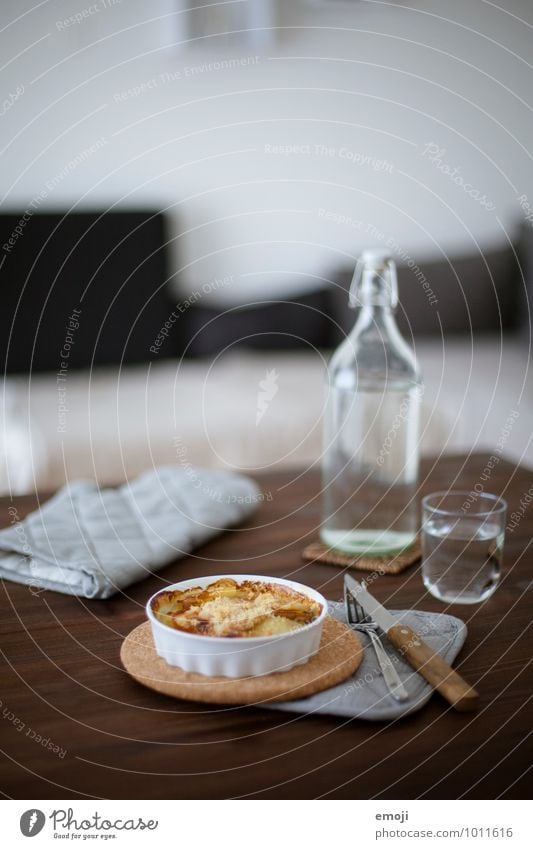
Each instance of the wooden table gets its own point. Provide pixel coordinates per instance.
(63, 685)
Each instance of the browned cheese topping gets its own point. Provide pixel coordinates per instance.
(227, 608)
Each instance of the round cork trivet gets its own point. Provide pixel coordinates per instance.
(386, 565)
(339, 655)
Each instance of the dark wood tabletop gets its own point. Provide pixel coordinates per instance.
(74, 724)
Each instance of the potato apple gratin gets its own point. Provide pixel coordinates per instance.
(227, 608)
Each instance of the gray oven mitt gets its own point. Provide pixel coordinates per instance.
(93, 542)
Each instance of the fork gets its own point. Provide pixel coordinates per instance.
(359, 621)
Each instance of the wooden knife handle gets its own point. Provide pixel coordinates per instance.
(433, 668)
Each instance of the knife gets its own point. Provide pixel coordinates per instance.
(412, 647)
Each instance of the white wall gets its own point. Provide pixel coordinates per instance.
(371, 80)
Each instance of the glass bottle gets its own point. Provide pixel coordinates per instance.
(371, 430)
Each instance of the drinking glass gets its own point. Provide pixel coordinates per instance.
(462, 545)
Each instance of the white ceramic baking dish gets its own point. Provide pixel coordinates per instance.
(237, 657)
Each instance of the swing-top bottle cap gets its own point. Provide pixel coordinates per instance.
(374, 281)
(375, 257)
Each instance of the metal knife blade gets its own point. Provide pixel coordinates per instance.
(370, 605)
(388, 670)
(417, 652)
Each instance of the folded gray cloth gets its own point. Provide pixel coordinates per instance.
(365, 694)
(92, 542)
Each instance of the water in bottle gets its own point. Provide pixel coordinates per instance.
(371, 431)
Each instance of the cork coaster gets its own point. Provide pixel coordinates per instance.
(339, 655)
(386, 565)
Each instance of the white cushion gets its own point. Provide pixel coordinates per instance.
(246, 410)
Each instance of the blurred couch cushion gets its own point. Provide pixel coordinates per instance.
(81, 289)
(198, 412)
(284, 325)
(525, 253)
(473, 294)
